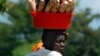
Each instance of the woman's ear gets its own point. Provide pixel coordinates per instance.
(67, 35)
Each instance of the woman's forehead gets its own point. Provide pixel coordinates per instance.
(61, 37)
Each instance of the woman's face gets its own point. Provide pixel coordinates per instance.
(60, 44)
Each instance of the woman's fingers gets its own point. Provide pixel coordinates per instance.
(41, 5)
(55, 6)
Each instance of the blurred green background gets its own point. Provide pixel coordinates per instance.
(17, 34)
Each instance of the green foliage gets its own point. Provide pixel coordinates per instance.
(7, 41)
(2, 5)
(23, 49)
(19, 31)
(83, 40)
(22, 21)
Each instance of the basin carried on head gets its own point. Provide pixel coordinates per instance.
(52, 20)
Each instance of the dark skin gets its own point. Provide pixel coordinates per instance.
(60, 44)
(54, 39)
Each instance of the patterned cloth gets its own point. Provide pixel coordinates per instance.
(37, 46)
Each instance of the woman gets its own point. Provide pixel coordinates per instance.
(53, 43)
(53, 39)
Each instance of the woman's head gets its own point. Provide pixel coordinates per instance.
(54, 39)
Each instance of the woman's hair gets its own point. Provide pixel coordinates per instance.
(50, 36)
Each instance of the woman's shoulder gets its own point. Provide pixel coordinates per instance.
(32, 54)
(44, 52)
(54, 53)
(40, 52)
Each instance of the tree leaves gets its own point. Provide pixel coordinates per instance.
(2, 5)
